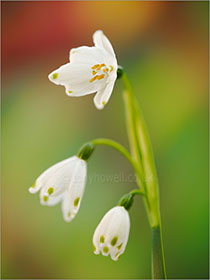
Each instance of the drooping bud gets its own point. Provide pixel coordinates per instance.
(86, 151)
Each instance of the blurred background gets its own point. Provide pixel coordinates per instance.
(163, 47)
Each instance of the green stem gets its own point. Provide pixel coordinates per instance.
(141, 150)
(158, 261)
(119, 148)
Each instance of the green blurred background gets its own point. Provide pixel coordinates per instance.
(164, 48)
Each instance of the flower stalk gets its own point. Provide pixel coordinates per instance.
(142, 155)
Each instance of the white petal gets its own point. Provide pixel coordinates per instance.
(75, 190)
(77, 79)
(52, 200)
(60, 180)
(101, 41)
(88, 55)
(66, 208)
(102, 96)
(41, 180)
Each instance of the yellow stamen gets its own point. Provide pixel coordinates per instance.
(105, 70)
(98, 77)
(100, 66)
(93, 79)
(95, 66)
(94, 72)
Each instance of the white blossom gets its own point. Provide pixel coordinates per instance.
(63, 182)
(111, 235)
(90, 70)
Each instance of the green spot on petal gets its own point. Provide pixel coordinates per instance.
(105, 249)
(102, 239)
(50, 190)
(94, 248)
(69, 214)
(55, 76)
(119, 247)
(117, 254)
(76, 201)
(114, 240)
(45, 198)
(104, 103)
(34, 185)
(69, 91)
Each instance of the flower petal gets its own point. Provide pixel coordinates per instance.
(58, 182)
(88, 55)
(41, 180)
(77, 79)
(101, 41)
(75, 191)
(53, 200)
(102, 96)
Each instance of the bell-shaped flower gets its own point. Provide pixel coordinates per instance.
(90, 70)
(63, 182)
(111, 235)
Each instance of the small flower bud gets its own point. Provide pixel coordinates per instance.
(86, 151)
(126, 201)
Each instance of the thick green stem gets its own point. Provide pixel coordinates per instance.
(158, 261)
(141, 150)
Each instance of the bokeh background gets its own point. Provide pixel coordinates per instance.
(164, 48)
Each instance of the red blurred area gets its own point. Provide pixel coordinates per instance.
(39, 31)
(31, 30)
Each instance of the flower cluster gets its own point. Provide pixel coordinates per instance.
(90, 70)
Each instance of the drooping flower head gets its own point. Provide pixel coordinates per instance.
(90, 70)
(63, 182)
(111, 235)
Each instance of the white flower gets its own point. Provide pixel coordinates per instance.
(90, 70)
(111, 235)
(65, 181)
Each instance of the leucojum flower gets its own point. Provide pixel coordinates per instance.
(90, 70)
(64, 182)
(111, 235)
(95, 70)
